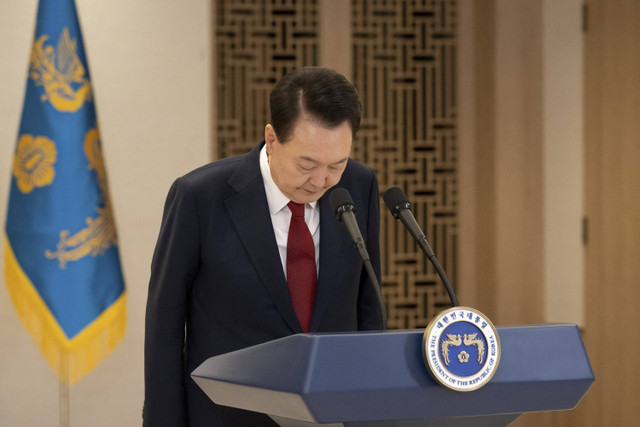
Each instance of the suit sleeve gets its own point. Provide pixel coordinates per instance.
(369, 317)
(174, 266)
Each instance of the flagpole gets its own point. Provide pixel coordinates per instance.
(63, 392)
(59, 210)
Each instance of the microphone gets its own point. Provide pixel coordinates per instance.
(400, 208)
(342, 204)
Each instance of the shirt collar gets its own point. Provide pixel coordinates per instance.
(277, 201)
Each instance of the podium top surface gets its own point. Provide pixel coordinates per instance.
(335, 377)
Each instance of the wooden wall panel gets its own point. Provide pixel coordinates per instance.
(612, 166)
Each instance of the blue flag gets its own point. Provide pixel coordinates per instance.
(61, 256)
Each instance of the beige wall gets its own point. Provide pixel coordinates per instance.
(521, 170)
(612, 204)
(150, 62)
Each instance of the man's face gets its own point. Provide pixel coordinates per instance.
(311, 162)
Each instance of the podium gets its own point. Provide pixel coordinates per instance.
(379, 379)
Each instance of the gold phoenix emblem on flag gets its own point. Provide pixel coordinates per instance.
(61, 73)
(100, 233)
(33, 162)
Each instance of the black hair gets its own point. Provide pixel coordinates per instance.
(325, 95)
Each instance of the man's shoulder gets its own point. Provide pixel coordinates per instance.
(357, 172)
(220, 171)
(216, 169)
(356, 167)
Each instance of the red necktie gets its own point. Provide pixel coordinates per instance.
(301, 266)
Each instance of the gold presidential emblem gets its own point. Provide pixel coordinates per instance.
(60, 72)
(100, 233)
(461, 349)
(33, 163)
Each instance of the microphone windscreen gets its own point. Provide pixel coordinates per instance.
(340, 197)
(393, 197)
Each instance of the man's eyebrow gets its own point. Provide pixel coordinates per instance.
(309, 159)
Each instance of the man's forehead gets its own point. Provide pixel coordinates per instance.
(313, 160)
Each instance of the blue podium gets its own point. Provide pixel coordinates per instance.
(379, 379)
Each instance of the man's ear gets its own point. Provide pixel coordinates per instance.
(270, 137)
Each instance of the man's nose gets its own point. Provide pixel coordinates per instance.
(319, 178)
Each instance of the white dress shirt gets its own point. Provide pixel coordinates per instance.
(281, 215)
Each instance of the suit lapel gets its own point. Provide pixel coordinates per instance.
(249, 212)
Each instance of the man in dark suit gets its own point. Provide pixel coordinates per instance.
(221, 277)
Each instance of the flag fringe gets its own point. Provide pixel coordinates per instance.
(86, 349)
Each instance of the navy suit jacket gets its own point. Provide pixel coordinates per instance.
(217, 283)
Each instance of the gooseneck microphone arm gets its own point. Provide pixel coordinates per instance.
(343, 206)
(400, 208)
